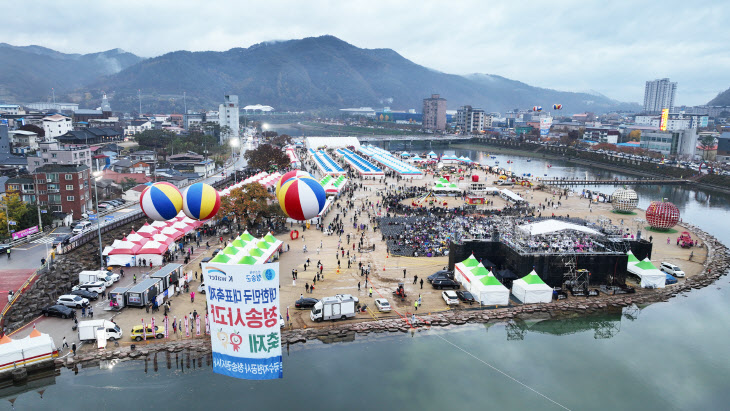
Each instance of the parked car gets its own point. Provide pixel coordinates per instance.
(382, 304)
(61, 239)
(57, 310)
(305, 303)
(96, 286)
(440, 274)
(4, 247)
(75, 301)
(89, 295)
(440, 283)
(465, 296)
(450, 297)
(282, 323)
(137, 335)
(80, 227)
(672, 269)
(201, 288)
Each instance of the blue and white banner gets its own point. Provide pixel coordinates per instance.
(243, 307)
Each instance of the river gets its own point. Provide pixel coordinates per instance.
(670, 355)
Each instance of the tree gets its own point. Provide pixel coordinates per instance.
(34, 129)
(249, 203)
(574, 135)
(266, 157)
(16, 210)
(635, 135)
(128, 183)
(155, 139)
(707, 144)
(281, 140)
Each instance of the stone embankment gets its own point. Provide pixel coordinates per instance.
(716, 265)
(57, 280)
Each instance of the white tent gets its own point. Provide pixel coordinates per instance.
(650, 276)
(531, 289)
(24, 351)
(552, 226)
(123, 254)
(481, 283)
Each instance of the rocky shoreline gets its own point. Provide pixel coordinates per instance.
(716, 265)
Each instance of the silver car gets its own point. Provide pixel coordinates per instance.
(73, 301)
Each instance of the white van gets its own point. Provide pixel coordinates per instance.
(80, 227)
(672, 269)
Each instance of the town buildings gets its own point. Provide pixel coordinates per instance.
(658, 95)
(61, 188)
(472, 120)
(434, 113)
(56, 125)
(54, 153)
(228, 117)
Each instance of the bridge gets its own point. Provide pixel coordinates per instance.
(636, 182)
(412, 137)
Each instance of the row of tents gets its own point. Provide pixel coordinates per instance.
(150, 242)
(488, 290)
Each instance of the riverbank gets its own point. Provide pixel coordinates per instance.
(608, 165)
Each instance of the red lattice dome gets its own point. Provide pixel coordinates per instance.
(662, 215)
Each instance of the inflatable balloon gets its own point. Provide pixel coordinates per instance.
(201, 201)
(537, 108)
(161, 201)
(290, 175)
(557, 106)
(302, 198)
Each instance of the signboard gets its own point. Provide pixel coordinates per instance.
(545, 124)
(92, 217)
(243, 309)
(134, 298)
(24, 233)
(11, 222)
(665, 118)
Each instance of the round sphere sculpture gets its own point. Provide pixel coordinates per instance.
(201, 201)
(288, 176)
(302, 198)
(662, 215)
(161, 201)
(624, 200)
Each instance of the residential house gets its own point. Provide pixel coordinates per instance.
(143, 155)
(204, 168)
(56, 125)
(22, 138)
(137, 126)
(92, 135)
(62, 188)
(131, 166)
(51, 152)
(134, 193)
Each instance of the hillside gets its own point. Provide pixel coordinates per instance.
(28, 73)
(325, 72)
(310, 73)
(722, 99)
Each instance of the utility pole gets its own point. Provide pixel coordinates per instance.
(98, 223)
(139, 97)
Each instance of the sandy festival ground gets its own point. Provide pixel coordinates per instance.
(387, 271)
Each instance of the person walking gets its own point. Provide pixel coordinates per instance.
(64, 344)
(306, 287)
(134, 278)
(415, 279)
(91, 312)
(83, 312)
(404, 273)
(415, 304)
(73, 348)
(421, 283)
(174, 325)
(371, 291)
(358, 286)
(192, 296)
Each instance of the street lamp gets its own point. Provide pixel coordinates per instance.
(96, 175)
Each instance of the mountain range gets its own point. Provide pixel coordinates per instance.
(311, 73)
(722, 99)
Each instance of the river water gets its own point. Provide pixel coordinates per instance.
(670, 355)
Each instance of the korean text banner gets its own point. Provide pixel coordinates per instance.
(243, 308)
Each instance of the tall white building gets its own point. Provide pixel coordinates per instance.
(228, 116)
(472, 120)
(658, 95)
(56, 125)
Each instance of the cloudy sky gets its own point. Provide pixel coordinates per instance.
(610, 47)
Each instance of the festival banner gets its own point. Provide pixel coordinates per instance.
(24, 233)
(243, 304)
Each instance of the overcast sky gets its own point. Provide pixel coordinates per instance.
(611, 47)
